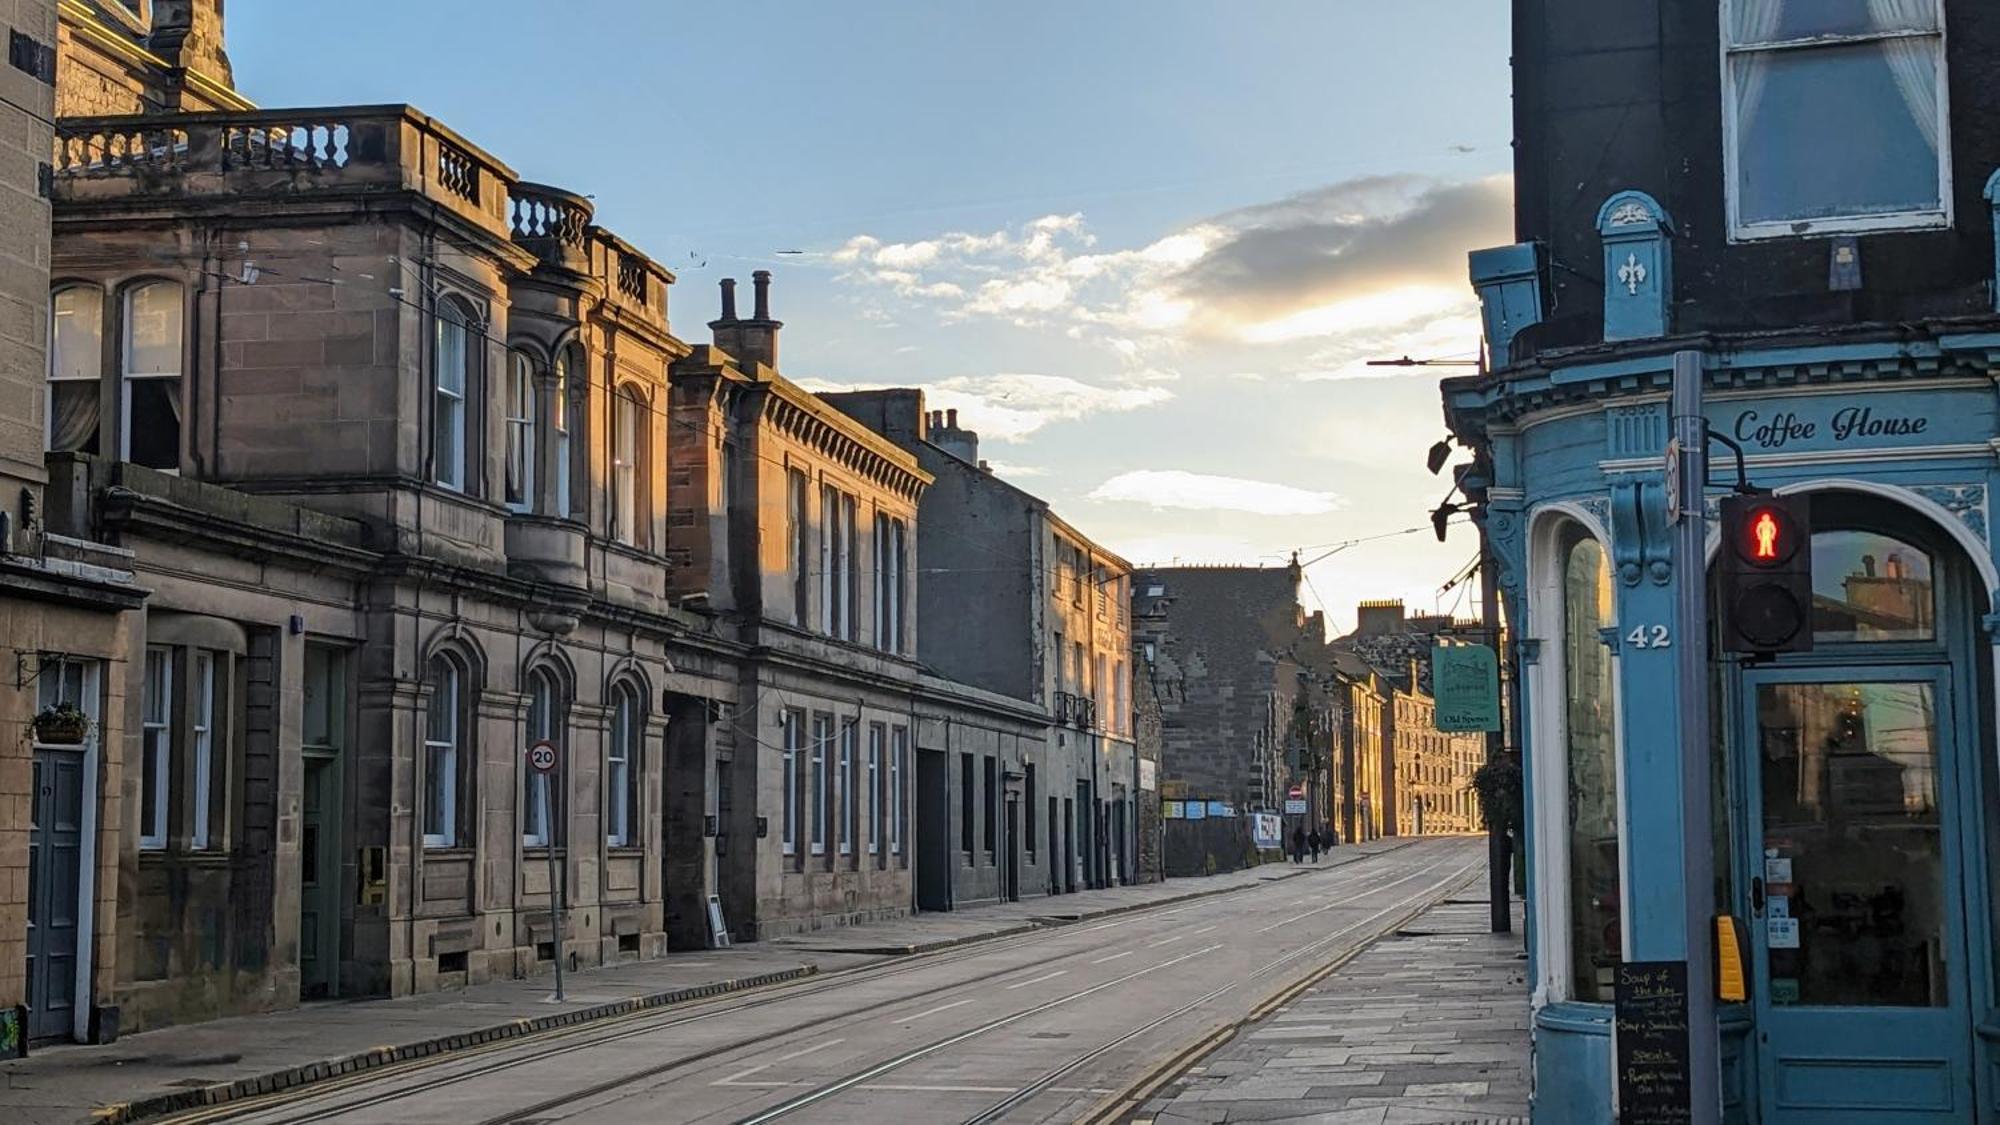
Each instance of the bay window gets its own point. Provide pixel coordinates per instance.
(451, 359)
(559, 453)
(155, 747)
(541, 794)
(520, 432)
(621, 767)
(625, 407)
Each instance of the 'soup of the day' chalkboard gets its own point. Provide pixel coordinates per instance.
(1652, 1006)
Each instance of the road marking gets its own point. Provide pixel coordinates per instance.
(737, 1078)
(1345, 902)
(1113, 957)
(1166, 941)
(936, 1010)
(938, 1089)
(1038, 980)
(1201, 931)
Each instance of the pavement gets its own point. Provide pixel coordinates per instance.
(177, 1068)
(1427, 1026)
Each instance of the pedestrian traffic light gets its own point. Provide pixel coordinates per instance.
(1765, 605)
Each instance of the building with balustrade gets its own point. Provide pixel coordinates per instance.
(1789, 210)
(370, 467)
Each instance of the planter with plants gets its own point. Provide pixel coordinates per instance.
(61, 725)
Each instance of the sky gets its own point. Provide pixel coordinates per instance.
(1144, 247)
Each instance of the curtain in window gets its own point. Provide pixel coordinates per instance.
(1757, 21)
(1913, 61)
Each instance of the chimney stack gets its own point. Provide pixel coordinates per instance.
(945, 434)
(751, 341)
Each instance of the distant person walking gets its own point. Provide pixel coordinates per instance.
(1313, 844)
(1298, 845)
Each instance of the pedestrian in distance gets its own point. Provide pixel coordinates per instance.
(1298, 845)
(1312, 844)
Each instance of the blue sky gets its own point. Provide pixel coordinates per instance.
(1141, 246)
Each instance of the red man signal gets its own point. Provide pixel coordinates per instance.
(1765, 575)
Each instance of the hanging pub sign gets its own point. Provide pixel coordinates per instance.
(1466, 682)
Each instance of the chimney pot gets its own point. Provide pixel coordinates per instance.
(761, 279)
(951, 418)
(728, 298)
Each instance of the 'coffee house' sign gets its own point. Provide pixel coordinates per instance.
(1847, 425)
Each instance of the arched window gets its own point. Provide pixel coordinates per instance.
(622, 767)
(452, 358)
(541, 793)
(558, 413)
(520, 432)
(1868, 587)
(1590, 751)
(625, 454)
(76, 368)
(150, 409)
(444, 744)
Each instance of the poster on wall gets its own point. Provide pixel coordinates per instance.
(1197, 810)
(1173, 810)
(1267, 830)
(1149, 775)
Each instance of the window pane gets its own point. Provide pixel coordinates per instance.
(1850, 798)
(1869, 587)
(1838, 131)
(1593, 778)
(1767, 21)
(78, 334)
(73, 416)
(153, 429)
(520, 430)
(153, 330)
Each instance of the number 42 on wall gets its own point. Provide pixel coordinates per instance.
(1650, 636)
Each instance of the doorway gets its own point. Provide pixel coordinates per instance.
(1857, 832)
(934, 852)
(323, 727)
(1013, 889)
(55, 871)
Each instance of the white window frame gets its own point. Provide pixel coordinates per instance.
(156, 726)
(822, 735)
(547, 716)
(559, 432)
(626, 450)
(829, 533)
(127, 377)
(521, 412)
(843, 787)
(441, 756)
(621, 753)
(202, 747)
(899, 752)
(794, 723)
(877, 735)
(94, 377)
(448, 397)
(1937, 218)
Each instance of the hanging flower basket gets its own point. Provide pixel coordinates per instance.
(61, 725)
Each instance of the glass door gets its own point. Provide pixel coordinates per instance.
(1857, 925)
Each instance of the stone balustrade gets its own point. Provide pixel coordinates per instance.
(554, 223)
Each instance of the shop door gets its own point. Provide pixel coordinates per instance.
(1858, 929)
(319, 880)
(55, 853)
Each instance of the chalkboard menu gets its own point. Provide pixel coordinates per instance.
(1652, 1008)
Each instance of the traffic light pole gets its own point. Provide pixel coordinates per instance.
(1690, 562)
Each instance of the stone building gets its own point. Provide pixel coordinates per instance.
(802, 527)
(1432, 794)
(1020, 603)
(1148, 742)
(1364, 774)
(1243, 676)
(67, 610)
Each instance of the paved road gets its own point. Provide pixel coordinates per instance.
(1034, 1028)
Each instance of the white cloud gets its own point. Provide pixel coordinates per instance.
(1010, 407)
(1002, 469)
(1175, 488)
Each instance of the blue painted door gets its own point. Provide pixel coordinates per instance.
(1858, 929)
(55, 849)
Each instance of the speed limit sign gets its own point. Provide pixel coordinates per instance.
(542, 756)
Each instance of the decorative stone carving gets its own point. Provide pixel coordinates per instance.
(1630, 213)
(1965, 501)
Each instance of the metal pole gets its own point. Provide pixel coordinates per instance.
(1499, 865)
(1690, 560)
(555, 883)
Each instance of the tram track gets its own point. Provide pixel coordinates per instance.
(556, 1043)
